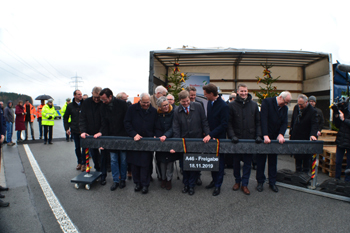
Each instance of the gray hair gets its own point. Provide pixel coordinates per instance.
(120, 95)
(96, 90)
(171, 96)
(160, 89)
(144, 95)
(161, 100)
(303, 97)
(284, 94)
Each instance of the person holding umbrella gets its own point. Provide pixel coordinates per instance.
(48, 120)
(42, 98)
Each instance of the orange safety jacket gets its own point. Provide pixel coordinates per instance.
(32, 112)
(38, 110)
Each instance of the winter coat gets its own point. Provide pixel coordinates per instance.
(19, 118)
(8, 113)
(139, 121)
(30, 116)
(217, 115)
(112, 118)
(343, 136)
(164, 128)
(2, 125)
(244, 121)
(320, 119)
(192, 125)
(73, 111)
(46, 113)
(274, 120)
(90, 117)
(305, 125)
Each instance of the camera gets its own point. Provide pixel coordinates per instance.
(340, 104)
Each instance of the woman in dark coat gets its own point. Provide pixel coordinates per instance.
(164, 130)
(19, 120)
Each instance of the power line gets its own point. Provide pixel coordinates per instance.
(33, 79)
(22, 77)
(76, 81)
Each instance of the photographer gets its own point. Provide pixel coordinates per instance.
(341, 120)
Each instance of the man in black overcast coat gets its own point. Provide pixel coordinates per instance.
(140, 122)
(90, 123)
(274, 122)
(304, 126)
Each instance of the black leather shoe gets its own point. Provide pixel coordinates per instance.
(2, 196)
(45, 143)
(144, 190)
(185, 189)
(138, 188)
(260, 187)
(50, 142)
(3, 188)
(103, 181)
(122, 184)
(199, 181)
(114, 186)
(274, 188)
(211, 185)
(216, 191)
(191, 191)
(4, 204)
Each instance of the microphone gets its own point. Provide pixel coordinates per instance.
(344, 68)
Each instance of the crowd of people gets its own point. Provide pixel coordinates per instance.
(104, 114)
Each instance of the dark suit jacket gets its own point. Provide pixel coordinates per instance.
(274, 120)
(194, 125)
(143, 123)
(217, 118)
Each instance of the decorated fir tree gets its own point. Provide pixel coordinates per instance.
(268, 90)
(176, 81)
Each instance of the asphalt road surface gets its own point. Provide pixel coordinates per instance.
(101, 210)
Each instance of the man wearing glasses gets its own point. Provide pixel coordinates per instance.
(274, 121)
(90, 122)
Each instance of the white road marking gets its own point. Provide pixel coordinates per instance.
(62, 217)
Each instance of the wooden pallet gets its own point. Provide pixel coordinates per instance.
(327, 161)
(327, 132)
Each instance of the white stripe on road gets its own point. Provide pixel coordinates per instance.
(62, 217)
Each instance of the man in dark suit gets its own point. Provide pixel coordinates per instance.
(140, 122)
(217, 115)
(274, 121)
(189, 122)
(304, 126)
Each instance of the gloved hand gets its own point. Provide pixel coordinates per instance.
(50, 117)
(258, 139)
(234, 139)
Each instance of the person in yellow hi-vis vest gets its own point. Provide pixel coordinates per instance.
(48, 120)
(63, 111)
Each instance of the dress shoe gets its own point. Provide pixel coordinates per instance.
(2, 196)
(4, 204)
(51, 143)
(138, 188)
(40, 138)
(144, 190)
(3, 188)
(185, 189)
(103, 181)
(216, 191)
(236, 186)
(199, 182)
(191, 191)
(168, 185)
(260, 187)
(122, 184)
(83, 168)
(274, 188)
(114, 186)
(44, 143)
(211, 185)
(78, 167)
(245, 190)
(163, 184)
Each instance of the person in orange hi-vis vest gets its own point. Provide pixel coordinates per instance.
(39, 118)
(29, 116)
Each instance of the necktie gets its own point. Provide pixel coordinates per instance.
(186, 111)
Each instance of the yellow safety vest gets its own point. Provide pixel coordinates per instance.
(46, 112)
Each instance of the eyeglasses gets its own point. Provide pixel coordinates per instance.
(169, 99)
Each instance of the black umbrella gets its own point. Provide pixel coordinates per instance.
(43, 97)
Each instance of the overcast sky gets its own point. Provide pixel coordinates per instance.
(43, 44)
